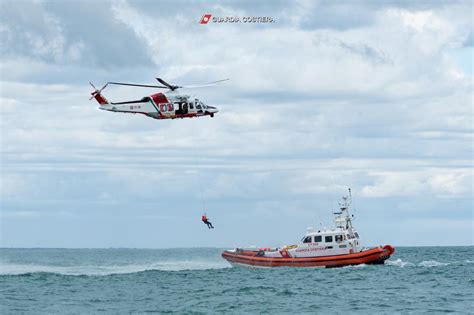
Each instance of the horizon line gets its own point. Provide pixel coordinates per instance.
(204, 247)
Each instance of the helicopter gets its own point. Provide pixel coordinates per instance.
(166, 105)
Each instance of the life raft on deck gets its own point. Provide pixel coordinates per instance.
(376, 255)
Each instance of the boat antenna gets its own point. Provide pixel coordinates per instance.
(350, 198)
(318, 218)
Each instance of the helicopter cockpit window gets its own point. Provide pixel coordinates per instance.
(191, 105)
(307, 239)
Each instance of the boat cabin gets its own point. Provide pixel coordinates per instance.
(342, 239)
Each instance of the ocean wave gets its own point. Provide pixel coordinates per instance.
(19, 269)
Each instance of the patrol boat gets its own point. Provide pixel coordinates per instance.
(328, 248)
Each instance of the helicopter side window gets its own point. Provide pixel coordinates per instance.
(318, 238)
(198, 105)
(307, 239)
(328, 239)
(191, 105)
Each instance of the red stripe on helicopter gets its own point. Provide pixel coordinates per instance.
(159, 98)
(99, 98)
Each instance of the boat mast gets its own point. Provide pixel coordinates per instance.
(342, 219)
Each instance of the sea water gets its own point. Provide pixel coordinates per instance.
(413, 280)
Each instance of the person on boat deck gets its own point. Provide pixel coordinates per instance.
(206, 221)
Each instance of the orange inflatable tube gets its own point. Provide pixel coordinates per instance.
(254, 258)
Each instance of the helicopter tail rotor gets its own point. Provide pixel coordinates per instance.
(96, 94)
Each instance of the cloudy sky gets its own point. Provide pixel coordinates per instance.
(332, 94)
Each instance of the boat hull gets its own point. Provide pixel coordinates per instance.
(252, 258)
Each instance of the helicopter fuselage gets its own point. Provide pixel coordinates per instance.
(167, 105)
(163, 106)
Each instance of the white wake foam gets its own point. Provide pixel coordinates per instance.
(398, 263)
(432, 263)
(19, 269)
(425, 263)
(355, 266)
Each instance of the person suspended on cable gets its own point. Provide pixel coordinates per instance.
(206, 221)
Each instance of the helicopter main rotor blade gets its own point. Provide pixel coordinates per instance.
(166, 85)
(139, 85)
(170, 86)
(206, 84)
(130, 102)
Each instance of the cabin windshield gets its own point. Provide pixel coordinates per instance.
(198, 103)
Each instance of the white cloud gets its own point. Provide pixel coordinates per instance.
(434, 182)
(313, 106)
